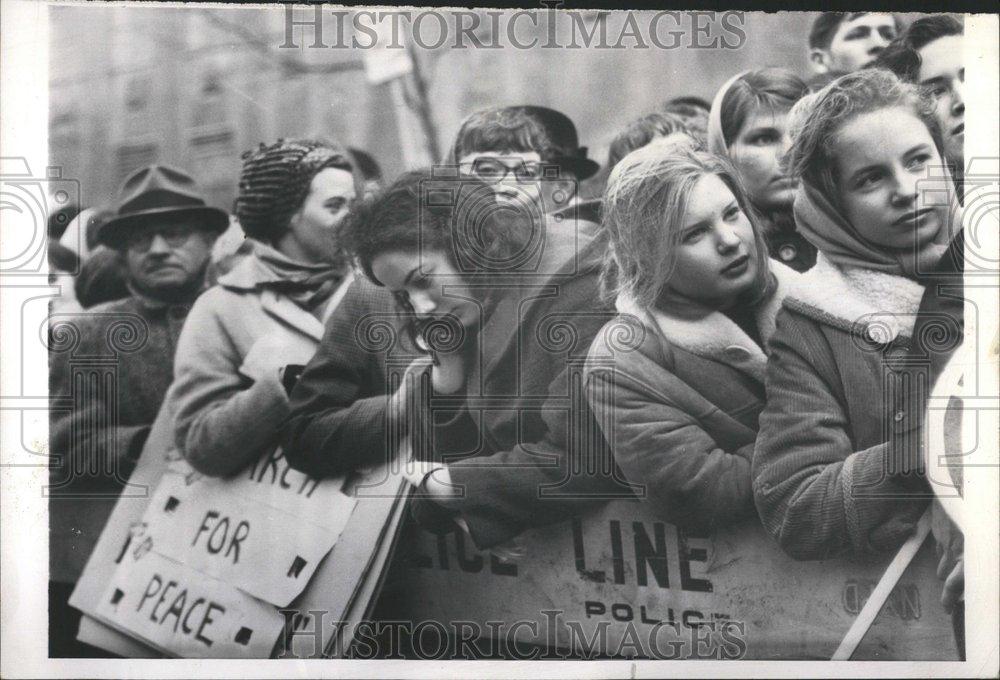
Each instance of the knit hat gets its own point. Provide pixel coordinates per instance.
(275, 181)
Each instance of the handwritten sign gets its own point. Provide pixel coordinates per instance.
(332, 581)
(270, 481)
(185, 613)
(262, 550)
(620, 582)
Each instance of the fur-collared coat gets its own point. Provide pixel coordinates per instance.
(825, 473)
(678, 401)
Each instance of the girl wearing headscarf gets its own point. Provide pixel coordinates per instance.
(268, 311)
(676, 380)
(748, 124)
(835, 470)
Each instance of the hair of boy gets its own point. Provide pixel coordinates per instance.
(774, 88)
(641, 132)
(902, 55)
(816, 129)
(644, 205)
(687, 102)
(275, 180)
(826, 24)
(502, 131)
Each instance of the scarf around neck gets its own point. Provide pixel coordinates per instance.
(826, 228)
(306, 284)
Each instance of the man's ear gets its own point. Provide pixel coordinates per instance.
(820, 60)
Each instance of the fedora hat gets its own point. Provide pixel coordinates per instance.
(158, 191)
(560, 129)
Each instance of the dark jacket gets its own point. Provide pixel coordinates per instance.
(109, 369)
(824, 479)
(102, 278)
(520, 440)
(786, 244)
(678, 400)
(337, 419)
(512, 438)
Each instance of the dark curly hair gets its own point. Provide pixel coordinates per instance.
(456, 215)
(275, 181)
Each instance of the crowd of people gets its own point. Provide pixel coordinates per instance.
(705, 317)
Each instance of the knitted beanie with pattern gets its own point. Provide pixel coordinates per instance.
(275, 181)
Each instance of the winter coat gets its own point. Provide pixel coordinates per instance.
(520, 440)
(338, 405)
(826, 473)
(223, 418)
(109, 369)
(511, 424)
(678, 400)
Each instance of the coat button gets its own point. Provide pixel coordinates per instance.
(787, 252)
(899, 416)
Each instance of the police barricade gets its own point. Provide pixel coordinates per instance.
(619, 582)
(192, 566)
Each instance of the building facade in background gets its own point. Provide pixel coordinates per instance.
(212, 83)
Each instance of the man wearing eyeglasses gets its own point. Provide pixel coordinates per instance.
(110, 367)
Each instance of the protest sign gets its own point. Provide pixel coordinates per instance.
(218, 560)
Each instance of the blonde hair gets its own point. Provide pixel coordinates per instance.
(644, 207)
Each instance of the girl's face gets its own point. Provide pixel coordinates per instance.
(429, 282)
(716, 256)
(879, 159)
(312, 229)
(757, 152)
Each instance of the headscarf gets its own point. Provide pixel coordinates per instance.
(717, 140)
(826, 227)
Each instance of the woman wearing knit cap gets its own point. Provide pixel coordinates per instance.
(836, 468)
(227, 396)
(748, 124)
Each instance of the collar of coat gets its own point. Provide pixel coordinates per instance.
(878, 305)
(714, 335)
(245, 276)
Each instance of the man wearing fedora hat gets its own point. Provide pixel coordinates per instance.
(162, 233)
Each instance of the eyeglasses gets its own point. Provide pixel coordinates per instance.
(494, 170)
(174, 235)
